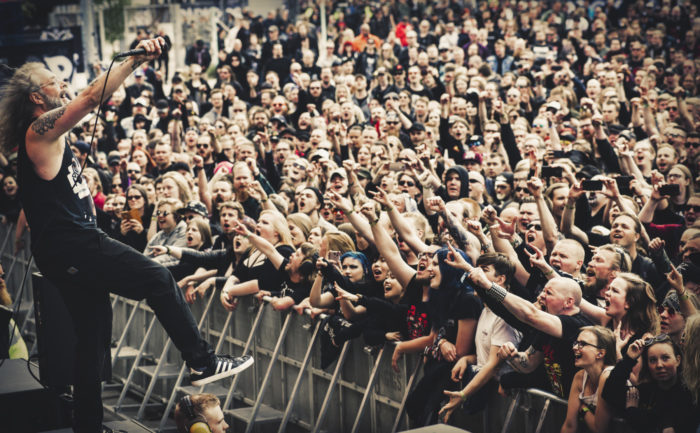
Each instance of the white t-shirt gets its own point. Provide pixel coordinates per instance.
(491, 330)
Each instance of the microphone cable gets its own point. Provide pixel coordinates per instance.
(18, 302)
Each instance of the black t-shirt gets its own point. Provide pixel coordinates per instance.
(268, 277)
(297, 291)
(558, 354)
(465, 306)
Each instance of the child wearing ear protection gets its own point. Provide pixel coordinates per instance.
(200, 413)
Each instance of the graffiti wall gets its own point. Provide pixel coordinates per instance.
(59, 49)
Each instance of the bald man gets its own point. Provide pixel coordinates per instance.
(557, 323)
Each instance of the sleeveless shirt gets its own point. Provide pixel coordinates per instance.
(62, 204)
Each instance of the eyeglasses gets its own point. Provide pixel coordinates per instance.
(536, 227)
(406, 183)
(189, 217)
(672, 108)
(693, 144)
(392, 123)
(581, 344)
(688, 207)
(425, 255)
(658, 339)
(662, 308)
(299, 166)
(132, 171)
(202, 146)
(521, 189)
(134, 197)
(163, 213)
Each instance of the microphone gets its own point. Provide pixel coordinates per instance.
(140, 51)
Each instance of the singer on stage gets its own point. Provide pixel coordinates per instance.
(69, 249)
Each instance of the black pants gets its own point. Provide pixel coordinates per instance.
(86, 265)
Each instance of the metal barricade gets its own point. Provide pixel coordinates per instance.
(360, 394)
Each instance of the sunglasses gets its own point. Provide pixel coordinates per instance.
(581, 344)
(134, 197)
(521, 189)
(694, 208)
(202, 146)
(392, 123)
(662, 308)
(406, 183)
(536, 227)
(163, 213)
(694, 145)
(133, 171)
(658, 339)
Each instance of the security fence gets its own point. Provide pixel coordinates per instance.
(286, 389)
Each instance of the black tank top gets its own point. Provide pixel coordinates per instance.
(55, 206)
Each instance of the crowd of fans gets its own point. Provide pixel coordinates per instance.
(506, 187)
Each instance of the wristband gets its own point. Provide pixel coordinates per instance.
(684, 297)
(548, 273)
(570, 206)
(373, 222)
(264, 200)
(167, 250)
(387, 208)
(348, 213)
(497, 292)
(463, 396)
(585, 409)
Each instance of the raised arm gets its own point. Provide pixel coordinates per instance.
(402, 227)
(50, 126)
(262, 244)
(522, 309)
(387, 248)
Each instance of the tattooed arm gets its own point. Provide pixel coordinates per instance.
(54, 121)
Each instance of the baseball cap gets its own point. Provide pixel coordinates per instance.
(194, 206)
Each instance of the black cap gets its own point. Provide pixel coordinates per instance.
(398, 69)
(162, 104)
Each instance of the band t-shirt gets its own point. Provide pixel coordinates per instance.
(558, 354)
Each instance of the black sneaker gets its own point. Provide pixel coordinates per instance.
(223, 366)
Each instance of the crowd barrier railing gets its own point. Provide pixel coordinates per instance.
(286, 385)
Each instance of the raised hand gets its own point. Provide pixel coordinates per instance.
(369, 211)
(675, 279)
(381, 197)
(456, 260)
(340, 202)
(436, 204)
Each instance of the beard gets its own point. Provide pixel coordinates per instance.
(598, 285)
(52, 102)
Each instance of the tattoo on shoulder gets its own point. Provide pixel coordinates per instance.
(45, 123)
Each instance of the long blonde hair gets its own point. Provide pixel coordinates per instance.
(691, 355)
(16, 110)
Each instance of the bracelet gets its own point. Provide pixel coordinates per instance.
(264, 200)
(585, 409)
(373, 222)
(487, 246)
(497, 292)
(348, 213)
(387, 208)
(684, 297)
(463, 396)
(570, 206)
(547, 274)
(167, 250)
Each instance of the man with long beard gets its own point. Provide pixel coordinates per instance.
(71, 252)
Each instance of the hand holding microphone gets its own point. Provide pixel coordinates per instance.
(150, 48)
